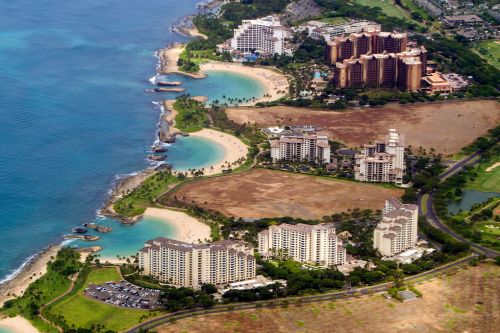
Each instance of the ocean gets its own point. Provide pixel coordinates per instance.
(74, 114)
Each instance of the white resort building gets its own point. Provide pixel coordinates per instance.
(398, 229)
(265, 35)
(383, 161)
(310, 147)
(316, 244)
(191, 265)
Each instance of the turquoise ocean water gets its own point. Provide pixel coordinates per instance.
(74, 115)
(5, 330)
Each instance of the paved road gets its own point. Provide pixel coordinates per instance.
(165, 319)
(434, 219)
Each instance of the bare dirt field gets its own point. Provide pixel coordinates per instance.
(466, 301)
(265, 193)
(447, 127)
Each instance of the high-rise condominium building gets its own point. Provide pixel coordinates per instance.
(310, 147)
(316, 244)
(191, 265)
(265, 35)
(403, 70)
(358, 44)
(398, 229)
(383, 161)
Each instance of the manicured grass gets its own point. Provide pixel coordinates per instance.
(191, 60)
(49, 286)
(486, 181)
(388, 7)
(490, 51)
(81, 311)
(136, 202)
(334, 20)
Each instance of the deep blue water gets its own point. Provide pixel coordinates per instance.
(74, 112)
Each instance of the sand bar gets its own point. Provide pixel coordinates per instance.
(18, 324)
(188, 229)
(235, 151)
(275, 83)
(32, 271)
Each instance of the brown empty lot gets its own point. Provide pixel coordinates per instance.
(464, 302)
(447, 127)
(265, 193)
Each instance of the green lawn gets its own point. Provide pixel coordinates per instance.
(191, 115)
(334, 20)
(490, 51)
(388, 7)
(486, 181)
(136, 202)
(81, 311)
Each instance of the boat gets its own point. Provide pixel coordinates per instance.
(168, 83)
(79, 230)
(157, 157)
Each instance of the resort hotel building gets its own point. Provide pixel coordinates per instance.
(264, 35)
(309, 147)
(383, 161)
(376, 59)
(397, 231)
(315, 244)
(192, 265)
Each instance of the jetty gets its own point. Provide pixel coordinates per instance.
(169, 83)
(96, 227)
(83, 237)
(176, 90)
(159, 149)
(157, 157)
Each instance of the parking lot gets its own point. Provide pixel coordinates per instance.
(124, 294)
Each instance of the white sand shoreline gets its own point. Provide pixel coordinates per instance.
(275, 84)
(188, 229)
(235, 151)
(18, 325)
(28, 274)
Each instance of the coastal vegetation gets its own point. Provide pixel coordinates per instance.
(135, 202)
(191, 115)
(46, 288)
(480, 223)
(77, 310)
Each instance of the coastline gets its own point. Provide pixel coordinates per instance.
(18, 324)
(188, 229)
(275, 84)
(168, 61)
(235, 151)
(33, 269)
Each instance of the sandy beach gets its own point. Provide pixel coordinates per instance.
(275, 84)
(33, 270)
(168, 61)
(235, 150)
(18, 324)
(188, 229)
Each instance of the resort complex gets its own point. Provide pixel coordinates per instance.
(327, 31)
(382, 161)
(377, 59)
(314, 244)
(398, 229)
(265, 35)
(310, 147)
(192, 265)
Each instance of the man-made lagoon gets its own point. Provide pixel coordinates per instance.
(469, 199)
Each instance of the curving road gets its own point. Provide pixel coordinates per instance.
(171, 317)
(426, 207)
